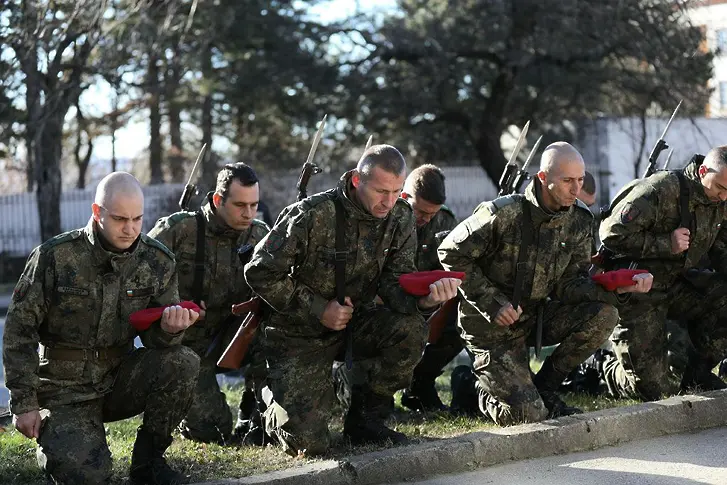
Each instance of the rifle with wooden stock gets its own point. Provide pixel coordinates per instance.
(249, 313)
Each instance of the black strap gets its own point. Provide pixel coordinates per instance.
(526, 239)
(340, 276)
(685, 215)
(198, 281)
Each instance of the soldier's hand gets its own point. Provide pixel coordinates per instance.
(679, 240)
(507, 315)
(337, 316)
(439, 292)
(643, 284)
(175, 319)
(28, 423)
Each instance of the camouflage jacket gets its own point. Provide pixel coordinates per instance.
(292, 268)
(430, 236)
(224, 281)
(74, 294)
(486, 245)
(639, 227)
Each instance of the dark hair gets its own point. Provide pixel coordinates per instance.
(239, 171)
(426, 182)
(386, 157)
(717, 156)
(589, 184)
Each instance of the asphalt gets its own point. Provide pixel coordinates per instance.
(589, 431)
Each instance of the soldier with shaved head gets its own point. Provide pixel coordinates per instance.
(68, 347)
(526, 258)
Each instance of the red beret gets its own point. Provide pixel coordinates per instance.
(619, 278)
(417, 284)
(142, 319)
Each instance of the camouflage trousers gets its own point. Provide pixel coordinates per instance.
(299, 391)
(640, 369)
(72, 446)
(502, 359)
(209, 418)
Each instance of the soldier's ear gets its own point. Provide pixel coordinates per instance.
(541, 177)
(703, 170)
(356, 180)
(96, 210)
(404, 195)
(216, 200)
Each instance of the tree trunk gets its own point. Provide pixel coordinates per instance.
(48, 182)
(155, 122)
(82, 162)
(176, 151)
(32, 101)
(489, 152)
(209, 165)
(114, 127)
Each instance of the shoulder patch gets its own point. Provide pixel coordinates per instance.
(149, 241)
(21, 289)
(61, 238)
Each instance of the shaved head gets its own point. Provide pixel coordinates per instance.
(118, 209)
(557, 153)
(561, 175)
(117, 184)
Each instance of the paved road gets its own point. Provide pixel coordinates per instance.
(674, 460)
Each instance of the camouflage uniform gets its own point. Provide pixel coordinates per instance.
(293, 271)
(639, 229)
(209, 418)
(485, 246)
(449, 345)
(75, 298)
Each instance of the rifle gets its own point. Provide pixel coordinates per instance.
(310, 168)
(191, 189)
(604, 256)
(249, 313)
(660, 146)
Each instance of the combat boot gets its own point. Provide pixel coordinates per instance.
(588, 377)
(723, 369)
(547, 381)
(422, 396)
(465, 394)
(364, 423)
(148, 465)
(698, 376)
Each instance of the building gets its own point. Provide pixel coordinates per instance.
(711, 16)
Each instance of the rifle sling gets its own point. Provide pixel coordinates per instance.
(340, 276)
(685, 215)
(198, 281)
(526, 239)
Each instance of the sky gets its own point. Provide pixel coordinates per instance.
(134, 138)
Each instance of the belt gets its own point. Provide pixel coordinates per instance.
(85, 354)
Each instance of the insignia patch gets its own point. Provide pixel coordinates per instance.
(70, 290)
(21, 289)
(274, 242)
(629, 213)
(139, 292)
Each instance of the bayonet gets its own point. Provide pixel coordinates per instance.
(508, 175)
(191, 189)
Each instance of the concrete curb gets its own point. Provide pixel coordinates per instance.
(481, 449)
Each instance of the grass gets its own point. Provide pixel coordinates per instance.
(209, 461)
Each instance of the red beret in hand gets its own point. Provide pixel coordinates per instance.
(619, 278)
(142, 319)
(417, 283)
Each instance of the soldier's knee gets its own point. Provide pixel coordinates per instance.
(608, 314)
(179, 363)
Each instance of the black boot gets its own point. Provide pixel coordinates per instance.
(698, 376)
(465, 395)
(723, 369)
(364, 422)
(422, 396)
(588, 376)
(148, 465)
(547, 381)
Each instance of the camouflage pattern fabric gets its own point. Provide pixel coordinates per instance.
(74, 294)
(209, 418)
(639, 229)
(292, 269)
(581, 315)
